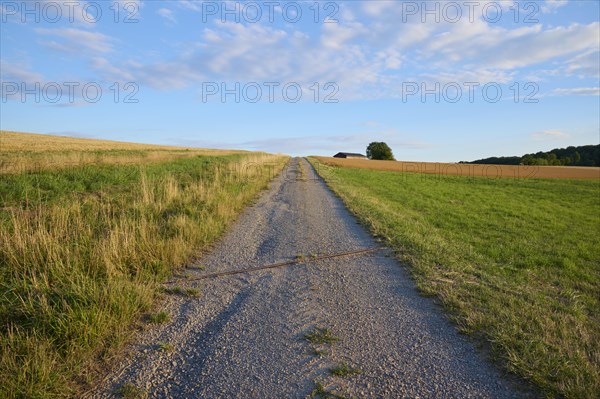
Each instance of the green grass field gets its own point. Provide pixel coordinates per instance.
(515, 262)
(84, 247)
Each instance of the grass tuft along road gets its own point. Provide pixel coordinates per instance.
(514, 261)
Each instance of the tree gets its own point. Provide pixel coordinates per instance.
(380, 151)
(528, 160)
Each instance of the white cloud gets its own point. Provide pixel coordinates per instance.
(237, 51)
(137, 3)
(552, 5)
(544, 45)
(76, 40)
(476, 75)
(585, 64)
(335, 36)
(467, 39)
(496, 47)
(18, 72)
(377, 8)
(578, 91)
(77, 10)
(550, 135)
(33, 82)
(167, 14)
(163, 77)
(193, 5)
(367, 59)
(109, 70)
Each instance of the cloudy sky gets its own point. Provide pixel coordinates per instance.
(438, 81)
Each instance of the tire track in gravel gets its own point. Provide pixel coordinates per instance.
(243, 336)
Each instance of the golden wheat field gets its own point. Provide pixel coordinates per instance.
(25, 152)
(33, 142)
(471, 170)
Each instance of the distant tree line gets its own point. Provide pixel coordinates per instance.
(585, 155)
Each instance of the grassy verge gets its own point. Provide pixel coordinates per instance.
(82, 250)
(516, 262)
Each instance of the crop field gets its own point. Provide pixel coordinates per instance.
(26, 152)
(470, 170)
(83, 245)
(516, 262)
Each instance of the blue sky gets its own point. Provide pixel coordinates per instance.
(528, 74)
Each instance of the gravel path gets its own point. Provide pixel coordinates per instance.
(243, 337)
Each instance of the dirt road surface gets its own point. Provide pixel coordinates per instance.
(244, 335)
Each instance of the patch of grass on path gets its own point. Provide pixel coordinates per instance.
(83, 250)
(321, 336)
(159, 318)
(343, 370)
(514, 261)
(130, 391)
(320, 392)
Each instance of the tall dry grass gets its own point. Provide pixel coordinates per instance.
(77, 270)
